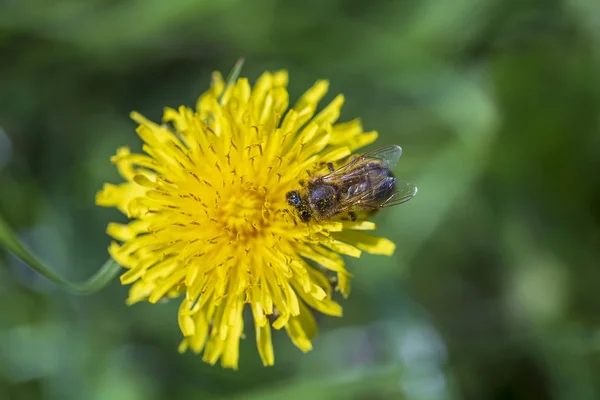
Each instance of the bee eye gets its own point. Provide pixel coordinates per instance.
(293, 198)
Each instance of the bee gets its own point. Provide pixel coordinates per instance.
(365, 183)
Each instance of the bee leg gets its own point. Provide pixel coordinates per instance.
(333, 280)
(274, 316)
(352, 215)
(330, 166)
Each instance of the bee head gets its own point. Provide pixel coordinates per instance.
(323, 200)
(293, 198)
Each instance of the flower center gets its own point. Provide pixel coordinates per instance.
(242, 214)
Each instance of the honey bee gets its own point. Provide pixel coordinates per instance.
(365, 183)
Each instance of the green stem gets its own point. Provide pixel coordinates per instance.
(107, 272)
(233, 76)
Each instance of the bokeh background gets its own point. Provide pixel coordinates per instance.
(494, 291)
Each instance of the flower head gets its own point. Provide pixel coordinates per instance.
(209, 220)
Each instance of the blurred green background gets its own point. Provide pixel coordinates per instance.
(493, 292)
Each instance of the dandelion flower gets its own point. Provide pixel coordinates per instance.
(209, 220)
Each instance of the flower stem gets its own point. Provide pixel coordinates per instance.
(233, 75)
(105, 274)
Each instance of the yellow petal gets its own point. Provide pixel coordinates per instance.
(197, 341)
(370, 244)
(359, 225)
(119, 196)
(139, 291)
(127, 232)
(280, 78)
(166, 285)
(183, 346)
(331, 112)
(325, 258)
(231, 351)
(187, 325)
(302, 329)
(341, 247)
(264, 344)
(325, 305)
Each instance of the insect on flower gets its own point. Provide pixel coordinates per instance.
(210, 220)
(365, 183)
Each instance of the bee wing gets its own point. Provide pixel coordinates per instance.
(404, 192)
(387, 156)
(366, 200)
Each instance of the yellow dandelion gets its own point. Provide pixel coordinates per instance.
(209, 219)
